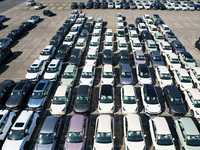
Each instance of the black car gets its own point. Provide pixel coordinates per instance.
(15, 34)
(5, 54)
(123, 57)
(145, 35)
(159, 22)
(75, 57)
(19, 94)
(48, 13)
(177, 46)
(138, 20)
(81, 5)
(125, 6)
(62, 31)
(107, 57)
(197, 44)
(74, 5)
(67, 23)
(56, 40)
(131, 27)
(89, 5)
(161, 6)
(174, 100)
(62, 52)
(103, 5)
(83, 98)
(154, 6)
(88, 27)
(96, 5)
(6, 87)
(197, 6)
(25, 26)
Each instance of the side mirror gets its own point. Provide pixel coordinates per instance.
(113, 137)
(173, 139)
(137, 99)
(85, 137)
(145, 135)
(94, 136)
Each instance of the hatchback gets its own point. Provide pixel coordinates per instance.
(143, 74)
(125, 73)
(187, 60)
(156, 59)
(139, 57)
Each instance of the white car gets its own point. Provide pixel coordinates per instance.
(81, 44)
(60, 101)
(158, 37)
(150, 100)
(160, 134)
(136, 45)
(118, 15)
(122, 45)
(109, 34)
(47, 53)
(147, 6)
(165, 48)
(163, 76)
(79, 23)
(172, 61)
(87, 76)
(34, 19)
(192, 96)
(74, 30)
(133, 132)
(30, 2)
(94, 45)
(38, 6)
(104, 133)
(191, 7)
(70, 40)
(110, 5)
(6, 122)
(139, 5)
(183, 7)
(146, 16)
(176, 7)
(36, 70)
(21, 131)
(96, 35)
(169, 6)
(143, 74)
(107, 76)
(195, 76)
(149, 22)
(106, 99)
(153, 29)
(53, 70)
(133, 35)
(164, 28)
(108, 44)
(120, 27)
(128, 99)
(98, 28)
(182, 79)
(91, 57)
(141, 27)
(82, 16)
(117, 5)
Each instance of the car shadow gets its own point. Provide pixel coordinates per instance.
(7, 19)
(41, 19)
(24, 35)
(14, 56)
(3, 68)
(4, 26)
(105, 23)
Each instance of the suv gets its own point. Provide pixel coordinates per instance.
(19, 94)
(21, 131)
(186, 60)
(47, 138)
(69, 76)
(75, 57)
(47, 53)
(104, 133)
(188, 133)
(36, 70)
(92, 57)
(40, 95)
(53, 70)
(87, 76)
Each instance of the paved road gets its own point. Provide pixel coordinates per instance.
(7, 4)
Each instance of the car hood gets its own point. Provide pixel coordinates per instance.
(81, 107)
(107, 61)
(180, 108)
(102, 146)
(31, 75)
(11, 102)
(57, 109)
(73, 146)
(171, 147)
(126, 80)
(66, 82)
(49, 75)
(136, 145)
(44, 146)
(35, 102)
(84, 81)
(154, 108)
(12, 144)
(129, 108)
(32, 21)
(43, 57)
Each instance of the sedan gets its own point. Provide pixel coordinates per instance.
(34, 19)
(56, 40)
(172, 61)
(75, 58)
(38, 6)
(169, 36)
(5, 42)
(25, 26)
(187, 60)
(15, 34)
(177, 46)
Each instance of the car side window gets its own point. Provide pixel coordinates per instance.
(154, 129)
(126, 126)
(190, 96)
(28, 125)
(182, 129)
(3, 123)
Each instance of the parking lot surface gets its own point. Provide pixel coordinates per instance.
(185, 25)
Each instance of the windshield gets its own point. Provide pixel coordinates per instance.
(165, 76)
(106, 99)
(91, 57)
(16, 95)
(134, 35)
(134, 136)
(103, 137)
(37, 95)
(174, 61)
(120, 35)
(176, 100)
(59, 100)
(126, 75)
(166, 28)
(86, 75)
(197, 103)
(75, 137)
(51, 70)
(143, 27)
(144, 74)
(68, 75)
(16, 134)
(137, 45)
(154, 29)
(109, 34)
(120, 27)
(157, 58)
(178, 45)
(152, 45)
(167, 47)
(193, 140)
(33, 70)
(83, 35)
(171, 35)
(140, 57)
(160, 37)
(124, 57)
(122, 45)
(189, 59)
(79, 44)
(108, 44)
(97, 27)
(82, 99)
(107, 75)
(95, 34)
(185, 79)
(93, 44)
(45, 138)
(45, 53)
(68, 39)
(107, 56)
(151, 100)
(129, 100)
(164, 139)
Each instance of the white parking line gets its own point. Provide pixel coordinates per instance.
(35, 46)
(26, 43)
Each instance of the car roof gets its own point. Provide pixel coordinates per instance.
(106, 89)
(61, 90)
(83, 90)
(124, 52)
(129, 90)
(91, 52)
(143, 68)
(155, 53)
(195, 93)
(108, 40)
(41, 85)
(49, 124)
(70, 68)
(150, 41)
(161, 125)
(189, 126)
(176, 42)
(142, 24)
(94, 40)
(165, 43)
(88, 68)
(136, 40)
(48, 47)
(125, 67)
(36, 63)
(133, 32)
(76, 123)
(20, 85)
(197, 69)
(139, 52)
(150, 90)
(163, 69)
(109, 30)
(107, 68)
(53, 63)
(104, 123)
(173, 91)
(134, 123)
(107, 51)
(172, 55)
(182, 72)
(75, 51)
(80, 40)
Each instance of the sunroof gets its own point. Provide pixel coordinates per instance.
(19, 124)
(40, 86)
(19, 86)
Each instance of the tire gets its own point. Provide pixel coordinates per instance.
(183, 148)
(26, 146)
(195, 85)
(192, 113)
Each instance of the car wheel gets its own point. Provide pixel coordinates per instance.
(37, 121)
(26, 146)
(183, 148)
(192, 113)
(195, 85)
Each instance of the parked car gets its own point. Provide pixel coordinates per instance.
(143, 74)
(49, 133)
(187, 60)
(172, 61)
(87, 76)
(107, 57)
(38, 6)
(70, 40)
(165, 48)
(47, 53)
(48, 13)
(125, 74)
(62, 52)
(138, 20)
(74, 5)
(77, 133)
(187, 132)
(139, 57)
(124, 57)
(177, 46)
(81, 5)
(156, 59)
(5, 54)
(141, 27)
(15, 34)
(136, 45)
(25, 26)
(158, 37)
(150, 46)
(158, 22)
(197, 44)
(2, 18)
(75, 57)
(169, 36)
(145, 35)
(56, 41)
(34, 19)
(164, 28)
(195, 76)
(5, 42)
(107, 76)
(62, 31)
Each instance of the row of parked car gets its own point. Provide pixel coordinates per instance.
(144, 4)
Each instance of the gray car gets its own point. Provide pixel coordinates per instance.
(156, 59)
(5, 42)
(126, 76)
(177, 46)
(48, 136)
